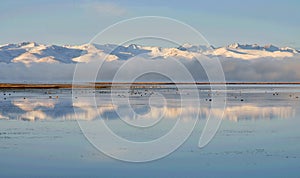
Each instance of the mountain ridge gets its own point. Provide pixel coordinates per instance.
(32, 52)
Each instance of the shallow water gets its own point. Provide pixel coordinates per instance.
(258, 135)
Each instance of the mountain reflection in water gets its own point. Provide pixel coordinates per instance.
(35, 105)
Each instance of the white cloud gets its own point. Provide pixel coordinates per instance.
(105, 8)
(263, 69)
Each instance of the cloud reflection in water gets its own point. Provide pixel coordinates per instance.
(32, 109)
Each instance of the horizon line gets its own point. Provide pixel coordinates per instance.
(99, 85)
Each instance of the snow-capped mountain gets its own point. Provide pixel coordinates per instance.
(253, 51)
(31, 52)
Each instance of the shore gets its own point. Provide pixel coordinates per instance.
(99, 85)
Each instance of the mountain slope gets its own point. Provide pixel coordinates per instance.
(254, 51)
(31, 52)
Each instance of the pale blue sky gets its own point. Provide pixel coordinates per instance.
(221, 22)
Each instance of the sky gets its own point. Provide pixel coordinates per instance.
(220, 22)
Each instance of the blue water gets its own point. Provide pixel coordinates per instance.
(258, 137)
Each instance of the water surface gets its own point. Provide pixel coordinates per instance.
(259, 134)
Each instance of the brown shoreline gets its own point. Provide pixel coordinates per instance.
(99, 85)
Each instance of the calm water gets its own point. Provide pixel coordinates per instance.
(258, 136)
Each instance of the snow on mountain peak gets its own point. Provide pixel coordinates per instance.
(133, 46)
(288, 49)
(187, 45)
(194, 48)
(31, 52)
(271, 48)
(267, 47)
(234, 45)
(253, 51)
(28, 44)
(246, 46)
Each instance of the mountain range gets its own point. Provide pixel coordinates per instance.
(31, 52)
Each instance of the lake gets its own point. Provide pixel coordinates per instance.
(52, 132)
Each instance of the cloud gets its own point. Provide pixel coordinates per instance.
(263, 69)
(39, 72)
(105, 8)
(259, 70)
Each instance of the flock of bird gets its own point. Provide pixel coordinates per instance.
(139, 93)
